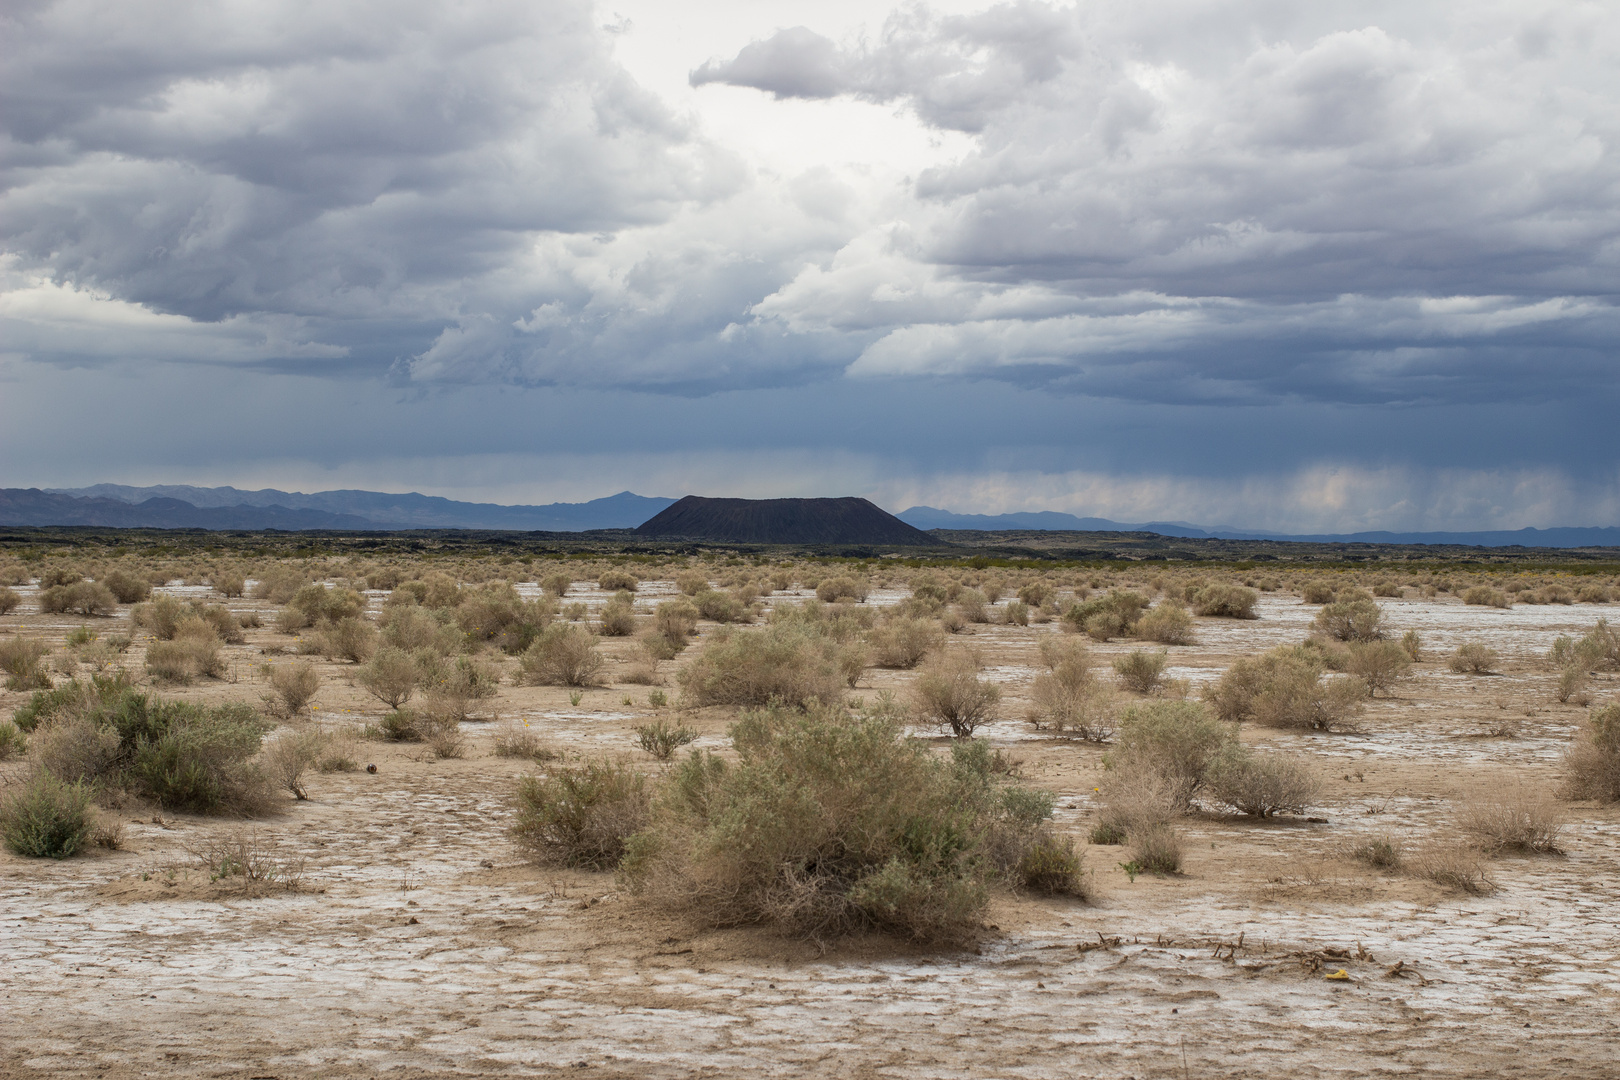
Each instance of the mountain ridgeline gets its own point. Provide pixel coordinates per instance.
(785, 521)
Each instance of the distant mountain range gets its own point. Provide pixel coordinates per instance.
(182, 507)
(847, 520)
(928, 517)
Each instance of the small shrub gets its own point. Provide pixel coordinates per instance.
(563, 655)
(349, 638)
(1388, 588)
(390, 676)
(454, 687)
(1016, 613)
(1515, 818)
(616, 580)
(1382, 852)
(1069, 697)
(1155, 849)
(661, 740)
(127, 588)
(186, 658)
(676, 620)
(13, 743)
(618, 618)
(1107, 833)
(580, 817)
(521, 741)
(723, 607)
(1352, 620)
(292, 688)
(400, 725)
(1052, 866)
(1167, 624)
(1452, 866)
(950, 694)
(20, 659)
(692, 582)
(833, 589)
(230, 583)
(1412, 642)
(81, 598)
(1380, 664)
(904, 642)
(446, 740)
(790, 662)
(1485, 596)
(1473, 658)
(1262, 785)
(9, 599)
(46, 818)
(244, 860)
(289, 757)
(1592, 763)
(1106, 617)
(1141, 671)
(1163, 752)
(557, 585)
(1226, 601)
(1316, 592)
(1285, 688)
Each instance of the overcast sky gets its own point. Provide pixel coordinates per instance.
(1320, 266)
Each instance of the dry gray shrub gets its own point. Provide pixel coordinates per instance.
(1512, 818)
(289, 757)
(1316, 592)
(556, 585)
(615, 580)
(904, 642)
(1167, 624)
(1167, 746)
(1382, 851)
(21, 659)
(390, 676)
(580, 816)
(1380, 664)
(563, 655)
(1473, 658)
(292, 688)
(1592, 762)
(790, 661)
(9, 599)
(1226, 601)
(1452, 866)
(950, 694)
(618, 617)
(245, 859)
(1069, 697)
(1141, 671)
(1155, 849)
(842, 587)
(1285, 688)
(1485, 596)
(513, 740)
(1261, 784)
(1350, 620)
(1412, 642)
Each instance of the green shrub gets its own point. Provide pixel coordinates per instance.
(46, 818)
(904, 642)
(1141, 671)
(1169, 745)
(1261, 785)
(1473, 658)
(13, 743)
(314, 604)
(1154, 849)
(563, 655)
(582, 816)
(81, 598)
(790, 662)
(20, 659)
(1350, 620)
(1285, 688)
(496, 613)
(830, 822)
(1167, 624)
(1107, 617)
(950, 694)
(70, 698)
(1051, 865)
(390, 676)
(661, 739)
(1226, 601)
(127, 588)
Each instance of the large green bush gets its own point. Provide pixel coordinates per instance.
(46, 817)
(790, 661)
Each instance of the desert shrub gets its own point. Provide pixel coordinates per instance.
(1382, 851)
(390, 676)
(1261, 785)
(1167, 624)
(1016, 613)
(1226, 601)
(581, 816)
(349, 638)
(127, 588)
(1412, 642)
(1380, 664)
(451, 688)
(1106, 617)
(292, 688)
(161, 616)
(1316, 592)
(13, 743)
(830, 822)
(789, 661)
(1168, 745)
(692, 582)
(1485, 596)
(556, 585)
(904, 642)
(9, 599)
(225, 625)
(971, 605)
(1035, 593)
(1388, 588)
(54, 575)
(618, 618)
(723, 607)
(950, 694)
(1069, 696)
(231, 583)
(1051, 865)
(198, 760)
(245, 861)
(79, 749)
(618, 580)
(278, 583)
(1473, 657)
(1592, 763)
(1452, 866)
(1512, 818)
(1155, 849)
(193, 655)
(1140, 670)
(496, 613)
(314, 604)
(68, 699)
(661, 739)
(1349, 620)
(521, 741)
(676, 620)
(400, 725)
(80, 598)
(563, 655)
(1592, 593)
(842, 587)
(20, 659)
(412, 629)
(1573, 680)
(1285, 688)
(45, 817)
(288, 758)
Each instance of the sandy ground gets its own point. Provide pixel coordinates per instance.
(423, 946)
